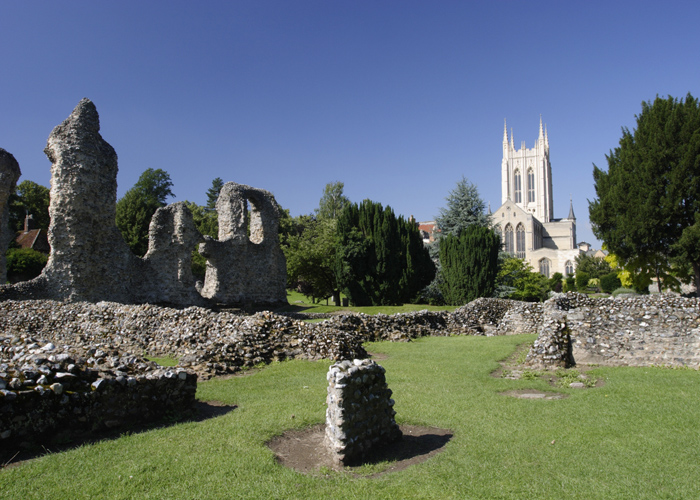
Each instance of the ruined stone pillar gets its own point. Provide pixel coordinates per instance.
(89, 259)
(9, 173)
(243, 269)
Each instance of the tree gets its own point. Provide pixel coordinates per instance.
(32, 199)
(651, 191)
(464, 208)
(135, 209)
(332, 202)
(595, 267)
(380, 259)
(310, 258)
(213, 194)
(469, 264)
(516, 275)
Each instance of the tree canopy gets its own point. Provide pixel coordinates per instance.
(464, 208)
(32, 199)
(135, 209)
(213, 194)
(332, 202)
(380, 259)
(646, 201)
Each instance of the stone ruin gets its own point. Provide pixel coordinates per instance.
(244, 269)
(360, 413)
(90, 261)
(9, 173)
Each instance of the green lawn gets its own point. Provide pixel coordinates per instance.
(636, 437)
(301, 303)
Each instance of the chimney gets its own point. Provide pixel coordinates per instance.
(28, 223)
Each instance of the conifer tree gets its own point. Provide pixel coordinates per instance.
(469, 264)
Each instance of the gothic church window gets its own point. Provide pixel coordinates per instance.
(569, 266)
(520, 241)
(530, 186)
(544, 267)
(508, 238)
(518, 187)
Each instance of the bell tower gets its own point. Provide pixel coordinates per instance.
(526, 175)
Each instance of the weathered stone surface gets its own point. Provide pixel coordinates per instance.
(89, 259)
(360, 413)
(9, 173)
(245, 270)
(631, 331)
(171, 237)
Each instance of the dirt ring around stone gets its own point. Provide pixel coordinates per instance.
(305, 451)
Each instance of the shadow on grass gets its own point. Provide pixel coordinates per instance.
(12, 456)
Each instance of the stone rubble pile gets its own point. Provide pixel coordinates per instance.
(360, 413)
(48, 387)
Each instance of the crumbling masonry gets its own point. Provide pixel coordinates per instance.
(90, 261)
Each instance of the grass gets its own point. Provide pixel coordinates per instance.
(301, 303)
(636, 437)
(165, 361)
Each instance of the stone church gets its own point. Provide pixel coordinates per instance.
(526, 217)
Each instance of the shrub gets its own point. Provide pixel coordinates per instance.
(24, 264)
(610, 282)
(582, 281)
(555, 282)
(623, 290)
(570, 285)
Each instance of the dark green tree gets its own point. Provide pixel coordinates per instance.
(135, 209)
(380, 259)
(213, 194)
(332, 202)
(469, 264)
(32, 199)
(650, 193)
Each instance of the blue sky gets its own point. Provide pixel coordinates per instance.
(397, 99)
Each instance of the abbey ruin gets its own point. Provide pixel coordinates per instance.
(90, 261)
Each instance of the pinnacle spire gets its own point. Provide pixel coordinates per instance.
(546, 137)
(541, 136)
(571, 209)
(505, 132)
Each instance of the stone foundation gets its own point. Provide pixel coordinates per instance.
(360, 414)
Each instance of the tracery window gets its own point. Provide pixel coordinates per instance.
(508, 238)
(530, 186)
(544, 267)
(520, 241)
(518, 184)
(569, 266)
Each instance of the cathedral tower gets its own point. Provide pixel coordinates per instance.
(526, 176)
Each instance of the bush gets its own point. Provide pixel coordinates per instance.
(582, 281)
(623, 290)
(24, 264)
(610, 282)
(570, 285)
(555, 282)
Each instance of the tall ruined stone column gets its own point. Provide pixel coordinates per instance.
(241, 269)
(9, 173)
(89, 259)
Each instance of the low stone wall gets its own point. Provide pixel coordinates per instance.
(631, 331)
(360, 413)
(46, 389)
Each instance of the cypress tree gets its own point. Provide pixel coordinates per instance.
(380, 259)
(469, 264)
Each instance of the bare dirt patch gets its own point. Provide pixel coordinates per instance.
(534, 394)
(304, 450)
